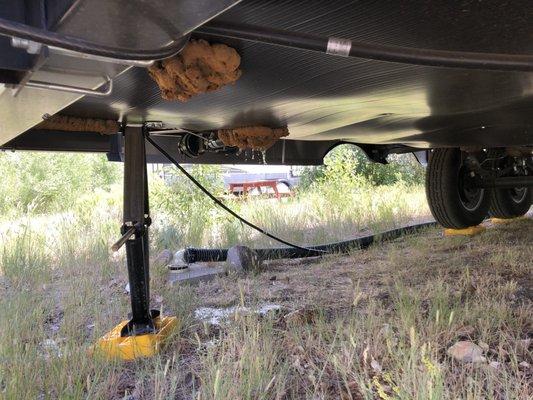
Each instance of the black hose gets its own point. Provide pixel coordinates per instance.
(23, 31)
(316, 252)
(192, 255)
(373, 51)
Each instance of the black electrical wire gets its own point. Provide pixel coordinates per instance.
(226, 208)
(23, 31)
(401, 54)
(373, 51)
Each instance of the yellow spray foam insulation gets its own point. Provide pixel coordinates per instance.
(252, 137)
(75, 124)
(200, 67)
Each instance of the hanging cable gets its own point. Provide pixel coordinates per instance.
(226, 208)
(372, 51)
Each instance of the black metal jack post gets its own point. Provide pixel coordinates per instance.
(135, 232)
(144, 334)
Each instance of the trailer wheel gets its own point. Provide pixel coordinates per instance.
(510, 203)
(454, 201)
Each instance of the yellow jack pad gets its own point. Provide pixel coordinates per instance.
(505, 220)
(114, 346)
(470, 231)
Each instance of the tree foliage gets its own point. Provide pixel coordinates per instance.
(51, 182)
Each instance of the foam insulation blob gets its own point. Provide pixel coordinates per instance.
(251, 137)
(200, 67)
(74, 124)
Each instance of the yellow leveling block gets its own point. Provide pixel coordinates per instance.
(505, 220)
(470, 231)
(128, 348)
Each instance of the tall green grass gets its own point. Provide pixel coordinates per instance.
(61, 287)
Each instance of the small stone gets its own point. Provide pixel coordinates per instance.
(376, 366)
(127, 289)
(524, 365)
(465, 351)
(273, 277)
(242, 258)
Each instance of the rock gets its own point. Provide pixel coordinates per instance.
(127, 289)
(465, 351)
(524, 365)
(163, 259)
(376, 366)
(242, 258)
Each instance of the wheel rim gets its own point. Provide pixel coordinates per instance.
(470, 196)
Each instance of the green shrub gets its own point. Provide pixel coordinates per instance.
(181, 204)
(46, 182)
(347, 165)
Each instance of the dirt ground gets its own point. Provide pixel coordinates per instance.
(481, 287)
(329, 282)
(373, 324)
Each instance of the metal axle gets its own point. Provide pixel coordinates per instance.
(507, 182)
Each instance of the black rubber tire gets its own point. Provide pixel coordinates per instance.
(503, 205)
(443, 192)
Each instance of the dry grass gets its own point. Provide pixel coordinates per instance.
(376, 325)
